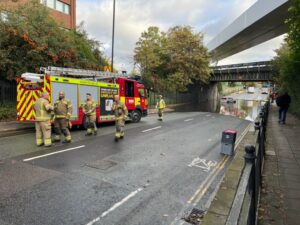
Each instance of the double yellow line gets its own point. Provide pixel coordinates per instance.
(209, 179)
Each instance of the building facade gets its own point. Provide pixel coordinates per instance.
(63, 11)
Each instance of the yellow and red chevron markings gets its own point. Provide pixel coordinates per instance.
(27, 97)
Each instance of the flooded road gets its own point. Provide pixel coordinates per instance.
(245, 106)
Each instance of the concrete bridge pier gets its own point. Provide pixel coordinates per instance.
(208, 97)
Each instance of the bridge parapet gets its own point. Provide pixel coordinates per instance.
(254, 71)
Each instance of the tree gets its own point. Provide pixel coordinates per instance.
(287, 61)
(172, 60)
(148, 54)
(30, 38)
(188, 58)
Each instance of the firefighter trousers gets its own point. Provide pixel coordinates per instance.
(43, 133)
(61, 126)
(120, 125)
(91, 127)
(160, 113)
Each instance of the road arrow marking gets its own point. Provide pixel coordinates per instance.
(187, 120)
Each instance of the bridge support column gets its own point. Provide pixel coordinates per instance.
(209, 97)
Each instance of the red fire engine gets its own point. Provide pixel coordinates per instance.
(76, 83)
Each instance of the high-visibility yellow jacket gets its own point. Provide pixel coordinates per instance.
(89, 108)
(42, 109)
(161, 104)
(62, 108)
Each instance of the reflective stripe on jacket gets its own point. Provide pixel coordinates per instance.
(120, 110)
(42, 109)
(62, 108)
(89, 108)
(161, 104)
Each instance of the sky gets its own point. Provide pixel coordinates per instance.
(135, 16)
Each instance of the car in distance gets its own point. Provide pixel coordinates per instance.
(251, 90)
(230, 100)
(264, 90)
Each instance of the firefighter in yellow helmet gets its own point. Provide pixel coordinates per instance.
(121, 114)
(89, 109)
(43, 109)
(160, 105)
(62, 114)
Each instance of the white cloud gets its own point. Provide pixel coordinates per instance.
(134, 17)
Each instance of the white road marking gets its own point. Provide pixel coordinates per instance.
(209, 140)
(53, 153)
(154, 128)
(187, 120)
(115, 206)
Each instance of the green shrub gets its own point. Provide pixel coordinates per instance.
(7, 112)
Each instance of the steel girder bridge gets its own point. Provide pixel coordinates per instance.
(254, 71)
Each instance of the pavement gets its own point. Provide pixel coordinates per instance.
(280, 196)
(14, 127)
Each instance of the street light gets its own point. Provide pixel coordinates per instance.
(113, 37)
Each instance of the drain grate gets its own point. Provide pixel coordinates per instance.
(195, 216)
(101, 164)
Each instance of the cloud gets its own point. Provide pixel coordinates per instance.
(134, 17)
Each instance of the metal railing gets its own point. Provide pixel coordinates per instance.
(245, 205)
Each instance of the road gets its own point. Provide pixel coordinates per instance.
(158, 173)
(246, 106)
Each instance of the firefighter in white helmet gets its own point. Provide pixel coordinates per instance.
(43, 109)
(89, 109)
(160, 105)
(62, 114)
(121, 114)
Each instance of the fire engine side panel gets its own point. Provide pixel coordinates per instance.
(107, 94)
(83, 89)
(71, 93)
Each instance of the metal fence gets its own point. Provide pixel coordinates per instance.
(172, 98)
(7, 92)
(245, 205)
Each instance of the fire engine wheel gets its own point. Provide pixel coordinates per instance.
(136, 116)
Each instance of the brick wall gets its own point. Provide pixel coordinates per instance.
(66, 21)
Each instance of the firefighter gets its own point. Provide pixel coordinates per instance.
(160, 105)
(43, 109)
(121, 114)
(89, 109)
(62, 113)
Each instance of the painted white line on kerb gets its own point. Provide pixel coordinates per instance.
(154, 128)
(187, 120)
(53, 153)
(115, 206)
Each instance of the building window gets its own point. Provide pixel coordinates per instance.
(51, 4)
(57, 5)
(3, 16)
(66, 9)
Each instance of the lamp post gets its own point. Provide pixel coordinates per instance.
(113, 37)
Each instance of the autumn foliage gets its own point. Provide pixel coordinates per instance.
(30, 38)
